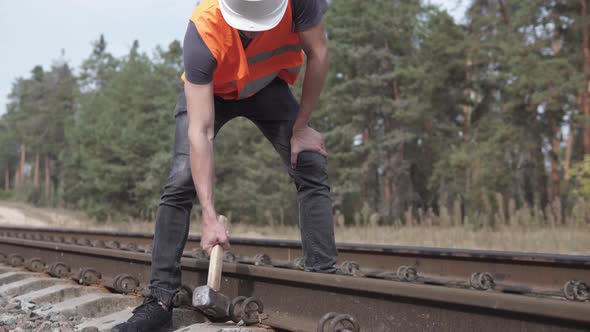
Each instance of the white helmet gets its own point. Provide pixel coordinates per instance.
(253, 15)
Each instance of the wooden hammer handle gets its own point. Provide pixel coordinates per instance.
(215, 265)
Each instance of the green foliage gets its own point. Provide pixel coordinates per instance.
(121, 135)
(5, 195)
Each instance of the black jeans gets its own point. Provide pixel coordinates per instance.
(273, 110)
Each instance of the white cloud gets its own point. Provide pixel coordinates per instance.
(456, 8)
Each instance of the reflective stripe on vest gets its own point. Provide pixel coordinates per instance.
(258, 84)
(294, 70)
(267, 55)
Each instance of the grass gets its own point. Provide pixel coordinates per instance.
(566, 239)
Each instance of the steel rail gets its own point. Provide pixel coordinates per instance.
(296, 300)
(517, 272)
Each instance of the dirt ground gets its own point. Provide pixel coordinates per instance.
(563, 240)
(18, 214)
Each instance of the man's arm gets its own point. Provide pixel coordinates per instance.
(313, 42)
(201, 116)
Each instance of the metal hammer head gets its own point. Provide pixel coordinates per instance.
(210, 302)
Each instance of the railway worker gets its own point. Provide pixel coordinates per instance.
(239, 57)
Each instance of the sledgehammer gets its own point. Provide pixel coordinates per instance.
(208, 299)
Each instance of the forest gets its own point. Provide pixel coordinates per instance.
(426, 120)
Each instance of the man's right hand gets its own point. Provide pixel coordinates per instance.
(213, 232)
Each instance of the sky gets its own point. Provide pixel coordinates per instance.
(34, 32)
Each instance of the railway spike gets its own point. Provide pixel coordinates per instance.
(236, 309)
(15, 260)
(246, 309)
(199, 254)
(350, 268)
(83, 242)
(252, 311)
(59, 269)
(482, 281)
(262, 260)
(299, 263)
(407, 273)
(89, 276)
(130, 246)
(113, 245)
(125, 283)
(98, 244)
(575, 290)
(338, 323)
(148, 249)
(35, 264)
(259, 259)
(229, 257)
(582, 291)
(486, 281)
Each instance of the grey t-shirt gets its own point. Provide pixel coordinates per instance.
(199, 63)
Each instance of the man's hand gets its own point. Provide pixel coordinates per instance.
(213, 232)
(306, 139)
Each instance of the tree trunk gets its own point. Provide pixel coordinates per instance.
(23, 159)
(553, 123)
(504, 12)
(36, 179)
(61, 187)
(388, 188)
(570, 142)
(568, 154)
(47, 182)
(6, 179)
(555, 180)
(21, 165)
(586, 87)
(468, 102)
(17, 177)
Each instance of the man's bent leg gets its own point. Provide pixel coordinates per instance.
(315, 212)
(173, 216)
(172, 221)
(274, 110)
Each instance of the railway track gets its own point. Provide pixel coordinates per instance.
(378, 288)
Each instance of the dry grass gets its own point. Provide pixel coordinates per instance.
(564, 240)
(572, 239)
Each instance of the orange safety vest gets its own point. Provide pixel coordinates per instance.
(241, 73)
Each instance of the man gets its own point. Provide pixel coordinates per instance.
(239, 56)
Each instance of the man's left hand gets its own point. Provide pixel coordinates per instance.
(306, 139)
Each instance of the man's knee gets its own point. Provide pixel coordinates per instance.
(179, 188)
(311, 168)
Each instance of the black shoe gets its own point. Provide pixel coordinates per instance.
(150, 316)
